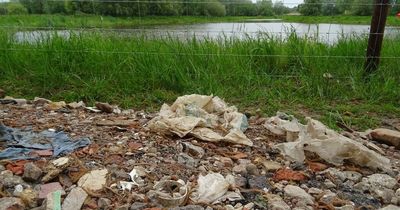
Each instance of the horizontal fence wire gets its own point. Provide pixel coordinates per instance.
(223, 2)
(194, 53)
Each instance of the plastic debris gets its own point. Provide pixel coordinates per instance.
(170, 193)
(329, 145)
(205, 117)
(21, 144)
(211, 187)
(53, 200)
(49, 188)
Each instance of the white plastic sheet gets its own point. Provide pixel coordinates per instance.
(205, 117)
(329, 145)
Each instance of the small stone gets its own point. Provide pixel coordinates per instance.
(381, 180)
(20, 101)
(240, 169)
(2, 168)
(258, 182)
(187, 160)
(387, 136)
(103, 203)
(229, 207)
(314, 191)
(189, 207)
(46, 189)
(248, 206)
(271, 165)
(138, 206)
(55, 105)
(105, 107)
(40, 101)
(152, 150)
(76, 105)
(292, 191)
(345, 207)
(94, 180)
(8, 203)
(32, 172)
(74, 199)
(390, 207)
(252, 169)
(227, 162)
(277, 203)
(329, 184)
(12, 181)
(385, 195)
(123, 207)
(328, 197)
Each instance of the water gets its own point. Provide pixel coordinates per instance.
(327, 33)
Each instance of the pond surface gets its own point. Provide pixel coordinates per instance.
(327, 33)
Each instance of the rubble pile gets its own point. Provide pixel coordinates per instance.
(198, 153)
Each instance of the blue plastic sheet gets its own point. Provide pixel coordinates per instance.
(21, 143)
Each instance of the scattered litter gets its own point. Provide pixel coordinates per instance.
(171, 193)
(205, 117)
(329, 145)
(22, 143)
(211, 187)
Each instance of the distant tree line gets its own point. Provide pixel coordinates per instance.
(188, 7)
(152, 7)
(339, 7)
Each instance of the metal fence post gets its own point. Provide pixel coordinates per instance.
(378, 23)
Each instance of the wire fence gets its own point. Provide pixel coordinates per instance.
(248, 28)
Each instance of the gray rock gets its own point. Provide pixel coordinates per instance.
(328, 197)
(138, 206)
(258, 182)
(385, 195)
(189, 207)
(8, 203)
(292, 191)
(271, 165)
(381, 181)
(123, 207)
(2, 168)
(252, 169)
(329, 184)
(32, 172)
(10, 182)
(187, 160)
(314, 191)
(240, 169)
(277, 203)
(397, 194)
(345, 207)
(390, 207)
(103, 203)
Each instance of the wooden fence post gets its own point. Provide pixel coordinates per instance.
(378, 23)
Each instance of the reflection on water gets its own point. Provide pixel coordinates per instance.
(327, 33)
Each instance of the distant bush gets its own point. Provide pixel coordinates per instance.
(16, 9)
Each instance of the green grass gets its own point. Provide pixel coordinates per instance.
(94, 21)
(143, 73)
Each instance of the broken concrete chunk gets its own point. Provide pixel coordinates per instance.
(74, 199)
(40, 101)
(76, 105)
(94, 180)
(386, 136)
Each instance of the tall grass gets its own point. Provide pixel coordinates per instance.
(264, 72)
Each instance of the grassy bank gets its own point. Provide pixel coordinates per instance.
(364, 20)
(90, 21)
(254, 73)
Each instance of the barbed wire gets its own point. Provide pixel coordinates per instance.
(193, 53)
(223, 2)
